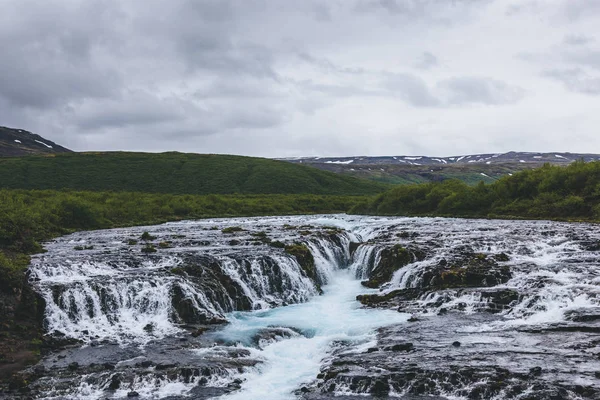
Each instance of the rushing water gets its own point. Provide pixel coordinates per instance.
(152, 324)
(335, 316)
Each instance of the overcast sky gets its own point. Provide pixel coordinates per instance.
(281, 78)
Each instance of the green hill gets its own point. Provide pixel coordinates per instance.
(550, 192)
(175, 173)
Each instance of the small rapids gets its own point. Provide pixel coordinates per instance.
(335, 318)
(321, 307)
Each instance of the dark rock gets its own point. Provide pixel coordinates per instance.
(372, 349)
(39, 369)
(380, 387)
(413, 318)
(391, 260)
(160, 367)
(133, 394)
(402, 347)
(353, 246)
(146, 364)
(108, 366)
(306, 260)
(73, 366)
(115, 382)
(501, 257)
(199, 332)
(456, 343)
(535, 371)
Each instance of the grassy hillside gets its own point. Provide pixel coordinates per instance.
(550, 192)
(175, 173)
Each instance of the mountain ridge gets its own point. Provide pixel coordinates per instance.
(556, 157)
(19, 142)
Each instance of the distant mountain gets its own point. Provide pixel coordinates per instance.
(18, 142)
(421, 169)
(491, 158)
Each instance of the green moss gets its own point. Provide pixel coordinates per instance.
(306, 260)
(149, 248)
(232, 229)
(147, 236)
(391, 260)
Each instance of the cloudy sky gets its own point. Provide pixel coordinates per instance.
(282, 78)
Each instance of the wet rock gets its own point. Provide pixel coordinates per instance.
(353, 246)
(401, 347)
(456, 343)
(470, 270)
(269, 335)
(163, 366)
(73, 366)
(306, 260)
(503, 257)
(535, 371)
(499, 299)
(391, 260)
(115, 382)
(199, 332)
(133, 394)
(380, 387)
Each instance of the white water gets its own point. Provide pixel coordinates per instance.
(289, 363)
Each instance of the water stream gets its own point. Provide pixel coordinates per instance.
(266, 308)
(333, 318)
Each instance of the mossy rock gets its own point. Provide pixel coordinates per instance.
(471, 270)
(277, 244)
(149, 249)
(392, 259)
(147, 236)
(306, 260)
(232, 229)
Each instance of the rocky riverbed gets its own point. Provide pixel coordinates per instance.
(321, 307)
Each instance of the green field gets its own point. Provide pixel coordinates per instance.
(175, 173)
(550, 192)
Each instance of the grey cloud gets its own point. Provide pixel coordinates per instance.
(42, 66)
(130, 75)
(576, 80)
(590, 58)
(476, 90)
(577, 40)
(132, 109)
(427, 61)
(412, 89)
(328, 66)
(578, 9)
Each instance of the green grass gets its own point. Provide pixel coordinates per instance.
(550, 192)
(175, 173)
